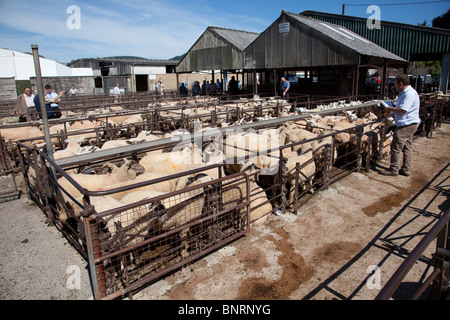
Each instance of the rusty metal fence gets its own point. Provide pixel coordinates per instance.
(8, 169)
(129, 245)
(133, 245)
(439, 278)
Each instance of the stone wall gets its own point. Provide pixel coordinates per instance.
(84, 84)
(7, 89)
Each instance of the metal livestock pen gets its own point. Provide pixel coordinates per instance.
(129, 245)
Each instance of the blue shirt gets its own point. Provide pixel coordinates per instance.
(409, 101)
(52, 96)
(284, 85)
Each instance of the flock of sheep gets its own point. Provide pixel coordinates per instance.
(170, 212)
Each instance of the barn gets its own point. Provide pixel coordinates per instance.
(217, 49)
(318, 57)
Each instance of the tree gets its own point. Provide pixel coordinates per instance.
(443, 21)
(433, 66)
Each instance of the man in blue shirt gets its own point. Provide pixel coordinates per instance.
(195, 88)
(285, 86)
(406, 114)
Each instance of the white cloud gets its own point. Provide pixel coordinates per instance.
(142, 28)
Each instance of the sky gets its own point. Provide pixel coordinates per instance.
(67, 30)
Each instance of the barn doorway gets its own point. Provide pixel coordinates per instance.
(141, 82)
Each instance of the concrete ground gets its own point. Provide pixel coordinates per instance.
(327, 250)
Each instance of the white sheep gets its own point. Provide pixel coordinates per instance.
(260, 206)
(22, 133)
(100, 182)
(111, 144)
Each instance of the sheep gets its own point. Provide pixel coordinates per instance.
(305, 176)
(143, 136)
(22, 133)
(259, 203)
(135, 222)
(181, 209)
(56, 129)
(131, 122)
(111, 144)
(173, 162)
(100, 182)
(140, 195)
(165, 186)
(72, 149)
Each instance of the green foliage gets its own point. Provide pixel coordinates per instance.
(434, 66)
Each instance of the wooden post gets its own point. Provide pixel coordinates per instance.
(383, 81)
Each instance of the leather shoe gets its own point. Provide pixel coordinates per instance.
(404, 173)
(388, 173)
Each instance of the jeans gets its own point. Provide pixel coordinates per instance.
(402, 145)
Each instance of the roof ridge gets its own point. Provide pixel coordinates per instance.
(310, 21)
(229, 29)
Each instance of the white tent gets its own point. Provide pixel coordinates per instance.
(19, 65)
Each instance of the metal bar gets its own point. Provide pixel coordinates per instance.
(394, 282)
(40, 87)
(156, 144)
(426, 284)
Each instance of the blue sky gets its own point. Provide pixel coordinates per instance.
(164, 28)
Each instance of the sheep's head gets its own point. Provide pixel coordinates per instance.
(198, 178)
(132, 165)
(108, 168)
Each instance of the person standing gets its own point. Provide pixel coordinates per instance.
(196, 88)
(183, 90)
(159, 88)
(25, 107)
(218, 84)
(213, 88)
(73, 91)
(233, 86)
(116, 90)
(285, 85)
(407, 120)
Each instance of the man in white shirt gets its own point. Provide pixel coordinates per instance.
(159, 88)
(73, 91)
(116, 90)
(407, 120)
(25, 107)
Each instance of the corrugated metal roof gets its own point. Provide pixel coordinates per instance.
(150, 62)
(217, 49)
(240, 39)
(405, 40)
(346, 37)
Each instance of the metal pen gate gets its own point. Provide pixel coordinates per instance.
(132, 244)
(135, 244)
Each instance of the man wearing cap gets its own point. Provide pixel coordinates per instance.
(285, 86)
